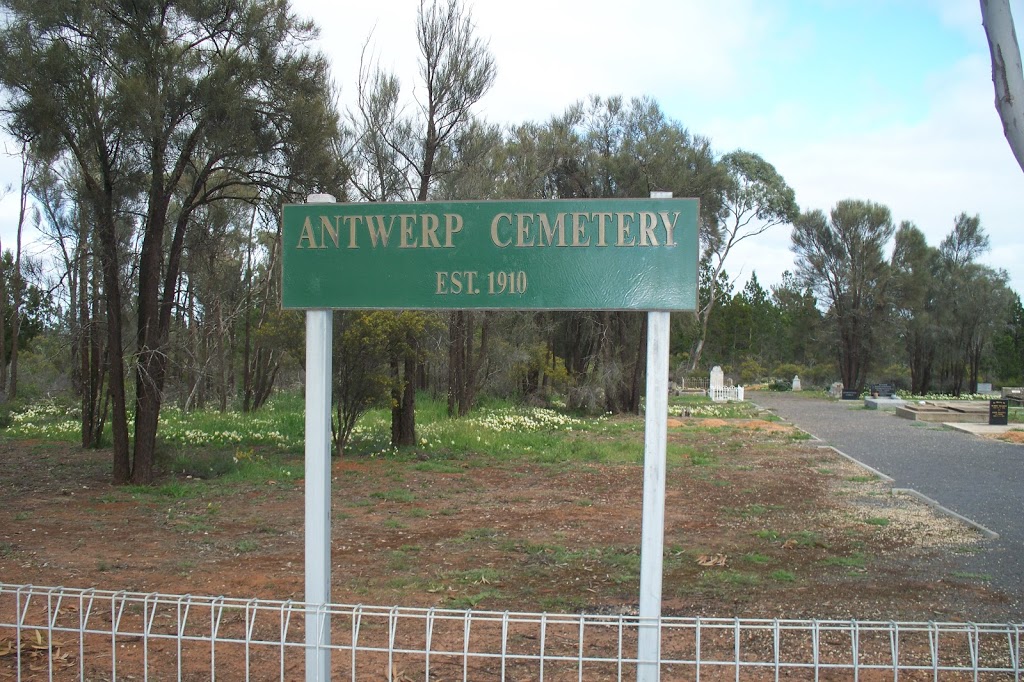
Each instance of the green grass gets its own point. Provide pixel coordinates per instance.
(245, 546)
(620, 565)
(174, 489)
(266, 445)
(703, 459)
(783, 576)
(877, 521)
(439, 467)
(475, 600)
(967, 575)
(856, 560)
(477, 576)
(477, 535)
(805, 538)
(394, 495)
(758, 559)
(728, 578)
(701, 406)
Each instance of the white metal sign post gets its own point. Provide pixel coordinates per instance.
(652, 530)
(319, 339)
(652, 533)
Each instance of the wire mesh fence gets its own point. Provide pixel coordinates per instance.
(55, 633)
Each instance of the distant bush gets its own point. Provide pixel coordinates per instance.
(750, 371)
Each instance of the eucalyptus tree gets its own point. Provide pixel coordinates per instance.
(164, 107)
(801, 334)
(398, 157)
(1008, 345)
(66, 226)
(975, 299)
(9, 372)
(917, 303)
(755, 200)
(842, 257)
(475, 158)
(1007, 72)
(612, 148)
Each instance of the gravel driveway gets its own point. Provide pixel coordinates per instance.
(978, 478)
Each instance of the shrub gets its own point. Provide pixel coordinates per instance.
(750, 371)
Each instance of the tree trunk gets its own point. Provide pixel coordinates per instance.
(1007, 73)
(407, 424)
(3, 328)
(247, 312)
(639, 368)
(107, 237)
(455, 361)
(84, 345)
(222, 360)
(476, 365)
(16, 280)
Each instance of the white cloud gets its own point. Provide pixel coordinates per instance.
(954, 160)
(552, 54)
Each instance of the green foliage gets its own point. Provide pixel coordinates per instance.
(750, 371)
(700, 406)
(363, 343)
(842, 257)
(37, 307)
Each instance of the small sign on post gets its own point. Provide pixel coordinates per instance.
(999, 412)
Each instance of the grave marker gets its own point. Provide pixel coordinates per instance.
(999, 412)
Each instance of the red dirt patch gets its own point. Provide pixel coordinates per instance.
(1015, 436)
(541, 536)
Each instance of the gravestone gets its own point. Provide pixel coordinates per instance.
(796, 382)
(1014, 394)
(836, 390)
(999, 412)
(984, 388)
(717, 378)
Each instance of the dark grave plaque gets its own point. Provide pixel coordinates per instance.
(998, 412)
(850, 394)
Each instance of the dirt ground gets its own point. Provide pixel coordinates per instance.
(758, 524)
(1013, 436)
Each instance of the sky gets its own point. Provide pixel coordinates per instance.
(883, 100)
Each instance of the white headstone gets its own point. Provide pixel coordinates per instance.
(836, 391)
(717, 377)
(796, 382)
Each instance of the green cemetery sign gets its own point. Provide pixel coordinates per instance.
(586, 254)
